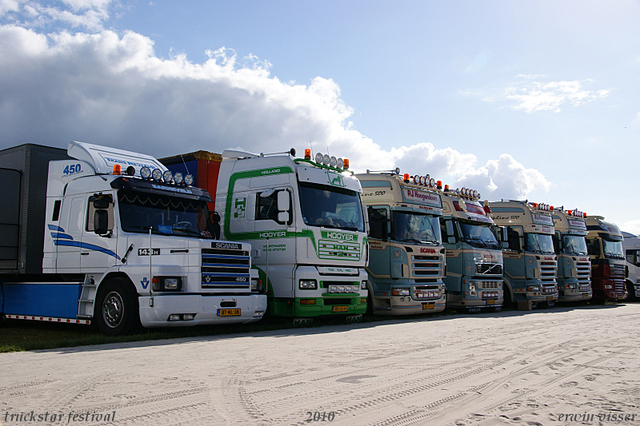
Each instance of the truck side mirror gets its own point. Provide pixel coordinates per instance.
(283, 201)
(215, 223)
(101, 222)
(284, 205)
(505, 239)
(451, 236)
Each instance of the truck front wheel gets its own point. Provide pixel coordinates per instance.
(117, 308)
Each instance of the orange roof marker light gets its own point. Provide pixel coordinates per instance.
(116, 169)
(307, 154)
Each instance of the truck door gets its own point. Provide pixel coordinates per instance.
(67, 237)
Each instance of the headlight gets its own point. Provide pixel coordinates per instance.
(145, 172)
(166, 283)
(363, 285)
(308, 285)
(400, 292)
(533, 288)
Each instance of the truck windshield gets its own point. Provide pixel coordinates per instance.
(574, 244)
(165, 214)
(612, 249)
(416, 228)
(539, 243)
(478, 235)
(331, 207)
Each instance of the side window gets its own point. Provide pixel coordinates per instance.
(266, 205)
(99, 203)
(377, 223)
(593, 246)
(513, 235)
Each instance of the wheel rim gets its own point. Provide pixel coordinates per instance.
(113, 309)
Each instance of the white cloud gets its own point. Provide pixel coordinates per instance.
(504, 178)
(110, 89)
(532, 96)
(89, 14)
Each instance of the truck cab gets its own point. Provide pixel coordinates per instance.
(126, 242)
(306, 223)
(474, 255)
(574, 265)
(530, 262)
(608, 264)
(407, 261)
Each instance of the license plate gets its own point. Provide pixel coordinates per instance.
(229, 312)
(491, 302)
(340, 308)
(428, 306)
(585, 294)
(550, 298)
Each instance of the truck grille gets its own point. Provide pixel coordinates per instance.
(618, 274)
(427, 266)
(489, 268)
(226, 269)
(548, 275)
(583, 270)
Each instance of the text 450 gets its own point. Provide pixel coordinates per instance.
(317, 416)
(72, 169)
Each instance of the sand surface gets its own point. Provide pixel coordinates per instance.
(573, 366)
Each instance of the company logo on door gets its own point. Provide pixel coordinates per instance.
(239, 207)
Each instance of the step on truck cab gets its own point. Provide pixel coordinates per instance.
(574, 265)
(631, 246)
(305, 221)
(474, 255)
(111, 236)
(608, 265)
(530, 265)
(406, 255)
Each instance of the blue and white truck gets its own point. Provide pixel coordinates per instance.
(474, 255)
(95, 234)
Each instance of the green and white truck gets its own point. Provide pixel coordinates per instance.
(304, 219)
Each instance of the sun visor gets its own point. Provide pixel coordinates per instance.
(102, 159)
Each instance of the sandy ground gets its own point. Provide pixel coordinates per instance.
(573, 366)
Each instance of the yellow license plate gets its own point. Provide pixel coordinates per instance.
(585, 294)
(229, 312)
(491, 302)
(340, 309)
(428, 306)
(550, 298)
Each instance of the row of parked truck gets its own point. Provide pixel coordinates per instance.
(122, 239)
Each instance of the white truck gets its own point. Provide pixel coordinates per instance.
(406, 256)
(574, 265)
(304, 219)
(631, 246)
(111, 236)
(474, 255)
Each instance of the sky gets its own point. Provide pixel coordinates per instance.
(531, 99)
